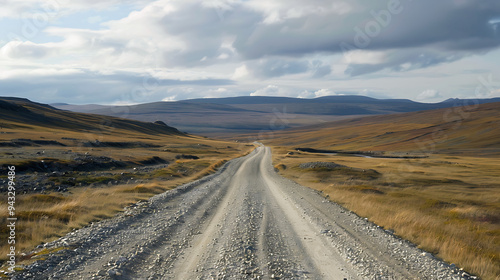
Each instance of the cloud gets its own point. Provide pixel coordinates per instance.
(90, 86)
(196, 33)
(494, 93)
(241, 72)
(362, 62)
(24, 50)
(452, 25)
(271, 68)
(56, 8)
(196, 46)
(451, 30)
(318, 93)
(271, 90)
(430, 94)
(170, 98)
(95, 19)
(325, 92)
(319, 70)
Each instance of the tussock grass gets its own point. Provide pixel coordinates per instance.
(44, 217)
(279, 167)
(449, 206)
(213, 167)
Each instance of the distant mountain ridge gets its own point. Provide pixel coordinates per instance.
(329, 99)
(246, 114)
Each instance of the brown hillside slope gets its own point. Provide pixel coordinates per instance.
(72, 169)
(22, 113)
(446, 199)
(458, 128)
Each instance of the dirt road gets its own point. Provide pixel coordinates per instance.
(244, 222)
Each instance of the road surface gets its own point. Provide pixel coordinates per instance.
(244, 222)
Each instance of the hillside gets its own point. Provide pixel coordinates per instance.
(452, 129)
(428, 176)
(333, 105)
(72, 169)
(254, 114)
(24, 114)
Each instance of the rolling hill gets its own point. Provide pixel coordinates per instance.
(72, 169)
(465, 128)
(25, 114)
(253, 114)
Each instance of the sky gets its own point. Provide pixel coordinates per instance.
(138, 51)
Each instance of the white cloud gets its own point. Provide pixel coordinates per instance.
(495, 93)
(324, 92)
(241, 73)
(170, 98)
(317, 93)
(279, 11)
(429, 95)
(281, 48)
(360, 56)
(40, 73)
(221, 90)
(174, 33)
(57, 8)
(24, 50)
(271, 90)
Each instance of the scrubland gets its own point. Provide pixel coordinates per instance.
(99, 192)
(448, 205)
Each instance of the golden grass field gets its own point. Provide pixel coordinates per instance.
(447, 203)
(43, 217)
(469, 129)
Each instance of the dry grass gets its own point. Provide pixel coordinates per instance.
(448, 205)
(45, 217)
(451, 130)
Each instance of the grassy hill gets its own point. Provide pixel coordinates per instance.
(430, 176)
(459, 128)
(22, 113)
(76, 168)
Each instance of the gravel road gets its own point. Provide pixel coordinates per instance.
(244, 222)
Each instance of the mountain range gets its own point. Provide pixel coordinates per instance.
(253, 114)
